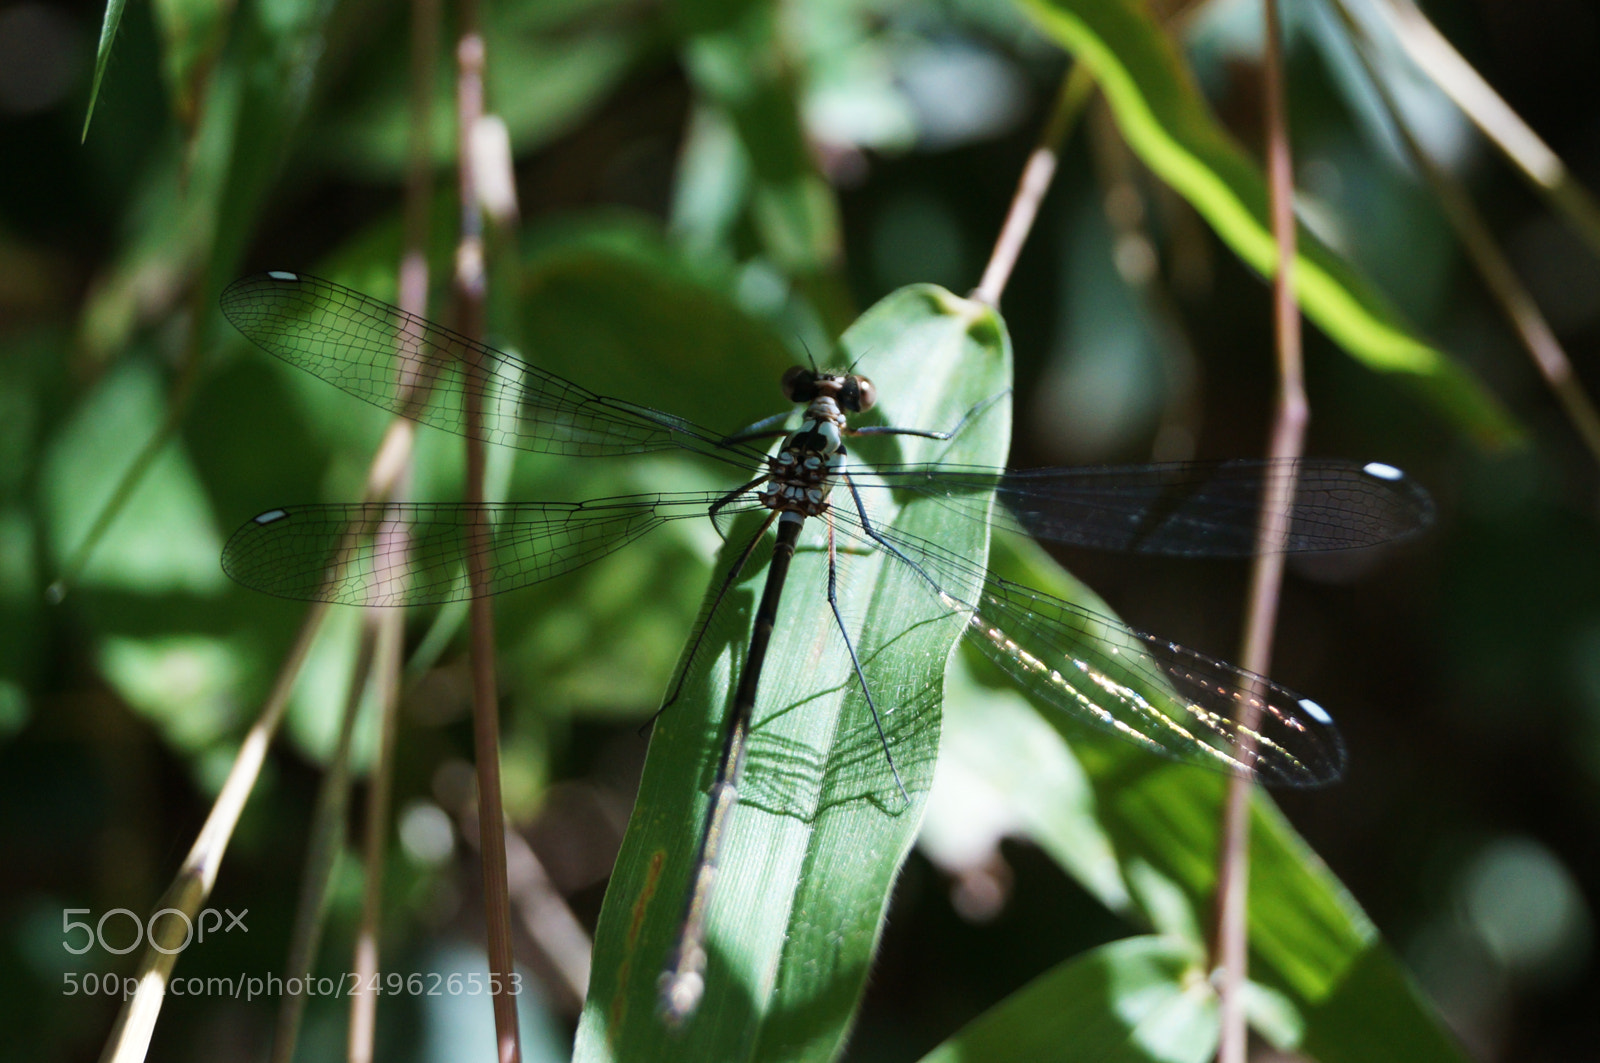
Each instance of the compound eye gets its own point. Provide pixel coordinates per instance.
(799, 384)
(866, 394)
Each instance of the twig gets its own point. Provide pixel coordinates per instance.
(386, 627)
(1036, 176)
(1515, 301)
(470, 288)
(129, 1040)
(1266, 575)
(322, 854)
(545, 915)
(389, 624)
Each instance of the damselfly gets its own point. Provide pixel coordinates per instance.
(1155, 693)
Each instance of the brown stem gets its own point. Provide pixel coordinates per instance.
(1266, 577)
(470, 288)
(387, 626)
(322, 854)
(129, 1039)
(1036, 177)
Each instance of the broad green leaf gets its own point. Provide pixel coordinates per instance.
(265, 93)
(183, 684)
(1140, 999)
(165, 539)
(102, 56)
(1373, 1015)
(820, 830)
(994, 739)
(616, 307)
(1165, 119)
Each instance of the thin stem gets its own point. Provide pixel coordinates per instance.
(1266, 576)
(1537, 337)
(129, 1041)
(322, 854)
(470, 288)
(1035, 181)
(545, 916)
(386, 629)
(388, 625)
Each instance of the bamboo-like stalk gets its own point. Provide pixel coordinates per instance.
(470, 284)
(322, 856)
(129, 1040)
(1037, 174)
(1290, 416)
(389, 624)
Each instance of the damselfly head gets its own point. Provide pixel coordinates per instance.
(851, 391)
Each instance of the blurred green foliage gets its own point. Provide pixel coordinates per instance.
(710, 191)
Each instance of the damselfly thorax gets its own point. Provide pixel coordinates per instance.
(801, 474)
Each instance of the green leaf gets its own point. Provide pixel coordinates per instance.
(281, 44)
(1144, 998)
(165, 539)
(995, 739)
(192, 33)
(740, 61)
(102, 56)
(1373, 1015)
(541, 80)
(820, 830)
(265, 95)
(1165, 119)
(184, 684)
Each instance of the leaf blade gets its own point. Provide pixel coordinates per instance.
(1164, 118)
(813, 847)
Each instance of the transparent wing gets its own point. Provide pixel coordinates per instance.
(415, 554)
(1189, 509)
(412, 367)
(1146, 690)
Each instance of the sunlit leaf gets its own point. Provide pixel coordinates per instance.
(183, 684)
(820, 829)
(1165, 119)
(1141, 1000)
(165, 539)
